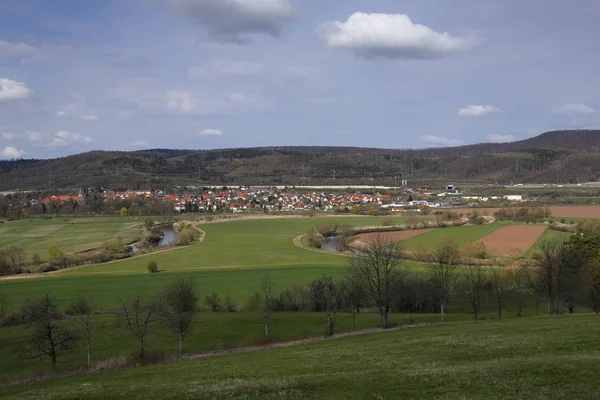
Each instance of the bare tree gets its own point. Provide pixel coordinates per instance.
(475, 278)
(265, 308)
(520, 278)
(177, 306)
(16, 255)
(213, 302)
(500, 283)
(551, 273)
(139, 314)
(376, 269)
(328, 294)
(48, 333)
(84, 319)
(443, 275)
(354, 295)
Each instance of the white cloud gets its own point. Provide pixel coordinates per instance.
(61, 113)
(13, 90)
(501, 138)
(89, 118)
(8, 49)
(33, 136)
(180, 100)
(11, 153)
(140, 143)
(9, 135)
(233, 21)
(211, 132)
(220, 68)
(66, 139)
(441, 141)
(477, 111)
(575, 109)
(393, 36)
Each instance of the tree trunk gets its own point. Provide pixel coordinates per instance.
(353, 319)
(266, 332)
(89, 352)
(181, 343)
(442, 311)
(330, 324)
(384, 319)
(499, 312)
(141, 349)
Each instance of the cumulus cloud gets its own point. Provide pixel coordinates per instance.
(575, 109)
(8, 49)
(30, 136)
(232, 21)
(393, 36)
(477, 111)
(11, 153)
(441, 141)
(211, 132)
(140, 143)
(501, 138)
(13, 90)
(66, 139)
(181, 100)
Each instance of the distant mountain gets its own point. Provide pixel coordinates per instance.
(557, 156)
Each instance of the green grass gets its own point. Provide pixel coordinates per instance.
(462, 234)
(548, 234)
(36, 236)
(534, 358)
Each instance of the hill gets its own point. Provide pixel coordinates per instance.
(533, 358)
(553, 157)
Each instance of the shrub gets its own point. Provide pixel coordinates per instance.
(475, 250)
(387, 221)
(11, 318)
(35, 259)
(563, 221)
(313, 239)
(187, 236)
(152, 266)
(115, 247)
(374, 211)
(535, 255)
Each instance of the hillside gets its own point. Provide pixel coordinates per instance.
(553, 157)
(533, 358)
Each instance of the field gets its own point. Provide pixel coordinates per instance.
(462, 234)
(512, 240)
(592, 211)
(393, 236)
(533, 358)
(36, 236)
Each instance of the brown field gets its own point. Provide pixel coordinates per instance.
(394, 236)
(556, 211)
(505, 241)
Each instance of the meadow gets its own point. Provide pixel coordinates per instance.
(533, 358)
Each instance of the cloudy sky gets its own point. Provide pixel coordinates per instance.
(133, 74)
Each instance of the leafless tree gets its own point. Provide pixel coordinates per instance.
(177, 305)
(443, 274)
(48, 333)
(501, 285)
(16, 255)
(551, 273)
(376, 269)
(354, 296)
(84, 319)
(329, 295)
(520, 278)
(265, 308)
(475, 278)
(139, 314)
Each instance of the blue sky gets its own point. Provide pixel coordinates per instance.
(200, 74)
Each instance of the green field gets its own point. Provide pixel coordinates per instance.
(36, 236)
(462, 234)
(533, 358)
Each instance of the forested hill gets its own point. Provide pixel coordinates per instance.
(552, 157)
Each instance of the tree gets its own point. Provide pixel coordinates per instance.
(500, 283)
(48, 334)
(353, 295)
(327, 294)
(475, 279)
(520, 279)
(265, 307)
(152, 267)
(84, 318)
(376, 269)
(139, 314)
(443, 275)
(177, 306)
(213, 302)
(148, 223)
(551, 273)
(15, 255)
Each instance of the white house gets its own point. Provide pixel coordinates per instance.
(514, 197)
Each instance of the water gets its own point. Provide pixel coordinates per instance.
(169, 238)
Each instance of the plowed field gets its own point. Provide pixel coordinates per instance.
(512, 240)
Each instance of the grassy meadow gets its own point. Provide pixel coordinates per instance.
(533, 358)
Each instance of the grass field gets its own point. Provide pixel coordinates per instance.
(462, 234)
(36, 236)
(533, 358)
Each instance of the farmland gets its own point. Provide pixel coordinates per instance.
(534, 358)
(512, 240)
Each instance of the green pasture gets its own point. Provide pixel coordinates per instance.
(462, 235)
(548, 234)
(532, 358)
(37, 235)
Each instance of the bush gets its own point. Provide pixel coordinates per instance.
(474, 250)
(313, 239)
(387, 221)
(187, 236)
(535, 255)
(35, 259)
(11, 318)
(374, 211)
(115, 247)
(152, 266)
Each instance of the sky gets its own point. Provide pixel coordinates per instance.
(203, 74)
